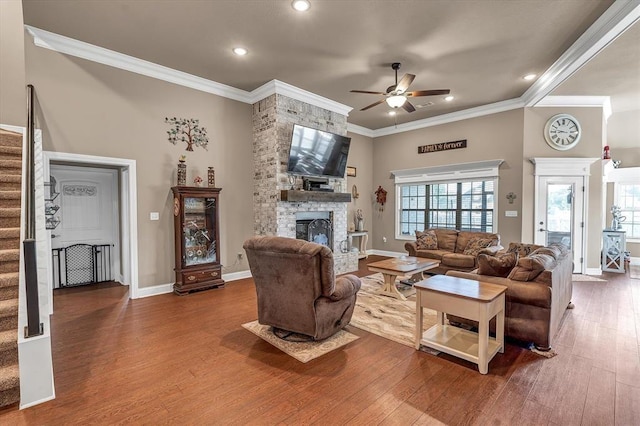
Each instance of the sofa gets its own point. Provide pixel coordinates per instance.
(298, 292)
(450, 248)
(539, 289)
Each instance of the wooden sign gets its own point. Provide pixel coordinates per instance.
(445, 146)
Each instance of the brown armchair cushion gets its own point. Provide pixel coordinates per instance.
(476, 244)
(446, 239)
(497, 266)
(427, 240)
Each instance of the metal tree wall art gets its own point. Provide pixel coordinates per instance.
(187, 131)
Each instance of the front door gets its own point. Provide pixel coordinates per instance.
(560, 215)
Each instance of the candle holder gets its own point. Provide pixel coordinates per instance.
(211, 177)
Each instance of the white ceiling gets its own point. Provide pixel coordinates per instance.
(480, 49)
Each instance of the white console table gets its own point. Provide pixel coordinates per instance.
(364, 237)
(613, 247)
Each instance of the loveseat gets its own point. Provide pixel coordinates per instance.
(539, 288)
(452, 248)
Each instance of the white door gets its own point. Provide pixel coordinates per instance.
(560, 214)
(88, 201)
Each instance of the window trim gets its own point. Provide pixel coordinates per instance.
(452, 173)
(623, 181)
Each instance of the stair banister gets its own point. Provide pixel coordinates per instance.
(34, 326)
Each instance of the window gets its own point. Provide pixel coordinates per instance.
(467, 206)
(627, 197)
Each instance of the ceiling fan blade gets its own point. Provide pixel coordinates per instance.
(408, 106)
(373, 104)
(404, 83)
(428, 92)
(368, 92)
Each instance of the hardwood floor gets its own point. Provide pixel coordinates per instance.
(186, 360)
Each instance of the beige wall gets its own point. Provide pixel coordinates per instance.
(361, 157)
(13, 98)
(93, 109)
(590, 145)
(496, 136)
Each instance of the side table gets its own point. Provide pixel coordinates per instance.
(364, 237)
(470, 299)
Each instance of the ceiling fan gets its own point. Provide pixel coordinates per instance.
(396, 95)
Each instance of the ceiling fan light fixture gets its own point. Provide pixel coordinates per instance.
(449, 98)
(392, 113)
(301, 5)
(396, 101)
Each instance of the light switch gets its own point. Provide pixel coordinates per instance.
(154, 216)
(511, 213)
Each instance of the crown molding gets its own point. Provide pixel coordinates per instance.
(613, 22)
(285, 89)
(603, 102)
(354, 128)
(562, 166)
(451, 117)
(80, 49)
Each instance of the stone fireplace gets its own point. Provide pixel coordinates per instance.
(273, 120)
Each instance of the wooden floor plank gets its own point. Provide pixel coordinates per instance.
(187, 360)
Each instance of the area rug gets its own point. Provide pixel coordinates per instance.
(302, 351)
(581, 277)
(386, 316)
(395, 319)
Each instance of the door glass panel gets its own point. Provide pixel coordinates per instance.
(198, 234)
(559, 213)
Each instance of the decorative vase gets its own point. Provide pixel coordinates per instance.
(182, 173)
(211, 177)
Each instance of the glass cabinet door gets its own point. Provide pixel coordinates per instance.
(198, 232)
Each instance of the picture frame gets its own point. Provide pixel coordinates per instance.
(351, 171)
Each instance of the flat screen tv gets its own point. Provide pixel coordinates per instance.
(317, 153)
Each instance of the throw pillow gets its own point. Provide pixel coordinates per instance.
(522, 249)
(551, 251)
(497, 266)
(476, 244)
(426, 240)
(528, 268)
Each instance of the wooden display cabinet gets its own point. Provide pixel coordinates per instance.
(197, 239)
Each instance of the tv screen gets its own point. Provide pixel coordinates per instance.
(317, 153)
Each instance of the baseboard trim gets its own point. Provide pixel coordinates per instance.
(593, 271)
(154, 290)
(40, 401)
(157, 290)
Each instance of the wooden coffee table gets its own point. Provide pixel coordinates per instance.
(470, 299)
(405, 265)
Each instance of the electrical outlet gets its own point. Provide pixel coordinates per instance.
(384, 239)
(240, 255)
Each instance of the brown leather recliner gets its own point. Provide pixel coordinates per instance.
(297, 288)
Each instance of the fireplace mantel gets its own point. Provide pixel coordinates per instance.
(319, 196)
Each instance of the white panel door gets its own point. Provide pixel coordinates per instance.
(560, 214)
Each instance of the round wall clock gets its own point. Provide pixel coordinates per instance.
(562, 132)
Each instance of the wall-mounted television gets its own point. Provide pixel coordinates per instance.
(317, 153)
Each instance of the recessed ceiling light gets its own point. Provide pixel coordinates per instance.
(392, 113)
(449, 98)
(529, 77)
(301, 5)
(240, 51)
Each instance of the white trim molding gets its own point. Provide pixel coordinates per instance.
(293, 92)
(621, 175)
(449, 172)
(603, 102)
(157, 290)
(612, 23)
(359, 130)
(562, 166)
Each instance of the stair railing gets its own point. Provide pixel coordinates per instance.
(34, 326)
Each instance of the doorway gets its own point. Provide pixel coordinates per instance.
(560, 207)
(127, 211)
(86, 240)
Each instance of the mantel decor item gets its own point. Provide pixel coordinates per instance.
(182, 171)
(187, 130)
(211, 177)
(351, 171)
